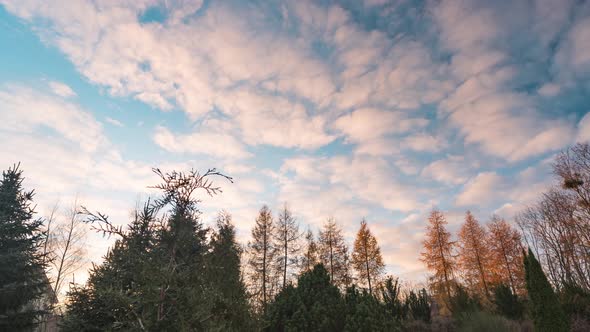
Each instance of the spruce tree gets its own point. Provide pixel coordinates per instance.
(155, 277)
(22, 269)
(546, 310)
(223, 263)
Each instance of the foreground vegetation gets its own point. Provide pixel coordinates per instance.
(168, 272)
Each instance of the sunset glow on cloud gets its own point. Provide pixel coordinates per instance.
(344, 109)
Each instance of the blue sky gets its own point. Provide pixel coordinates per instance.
(345, 109)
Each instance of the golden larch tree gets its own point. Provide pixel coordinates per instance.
(474, 256)
(333, 253)
(262, 258)
(310, 256)
(506, 255)
(438, 255)
(366, 257)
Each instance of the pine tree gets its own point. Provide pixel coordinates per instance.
(506, 255)
(310, 256)
(334, 253)
(366, 257)
(546, 310)
(438, 255)
(22, 268)
(474, 256)
(262, 252)
(287, 243)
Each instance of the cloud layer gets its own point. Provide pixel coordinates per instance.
(380, 109)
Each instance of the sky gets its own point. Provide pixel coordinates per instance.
(347, 109)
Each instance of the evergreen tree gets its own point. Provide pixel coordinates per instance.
(366, 257)
(507, 303)
(418, 305)
(546, 310)
(313, 305)
(262, 260)
(310, 256)
(155, 277)
(22, 269)
(391, 295)
(287, 243)
(334, 254)
(231, 307)
(474, 256)
(462, 303)
(438, 256)
(365, 313)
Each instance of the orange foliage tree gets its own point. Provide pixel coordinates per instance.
(438, 255)
(474, 256)
(506, 254)
(366, 257)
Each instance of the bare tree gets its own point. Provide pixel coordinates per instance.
(333, 253)
(287, 242)
(310, 255)
(558, 225)
(262, 258)
(65, 245)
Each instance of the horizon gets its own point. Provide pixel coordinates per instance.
(377, 109)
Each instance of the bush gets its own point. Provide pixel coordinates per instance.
(485, 322)
(462, 302)
(576, 304)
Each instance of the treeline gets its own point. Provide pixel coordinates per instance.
(493, 268)
(168, 272)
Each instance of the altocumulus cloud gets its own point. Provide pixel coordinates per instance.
(342, 108)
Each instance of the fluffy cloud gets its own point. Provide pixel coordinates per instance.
(61, 89)
(201, 142)
(339, 185)
(26, 111)
(481, 189)
(426, 94)
(451, 170)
